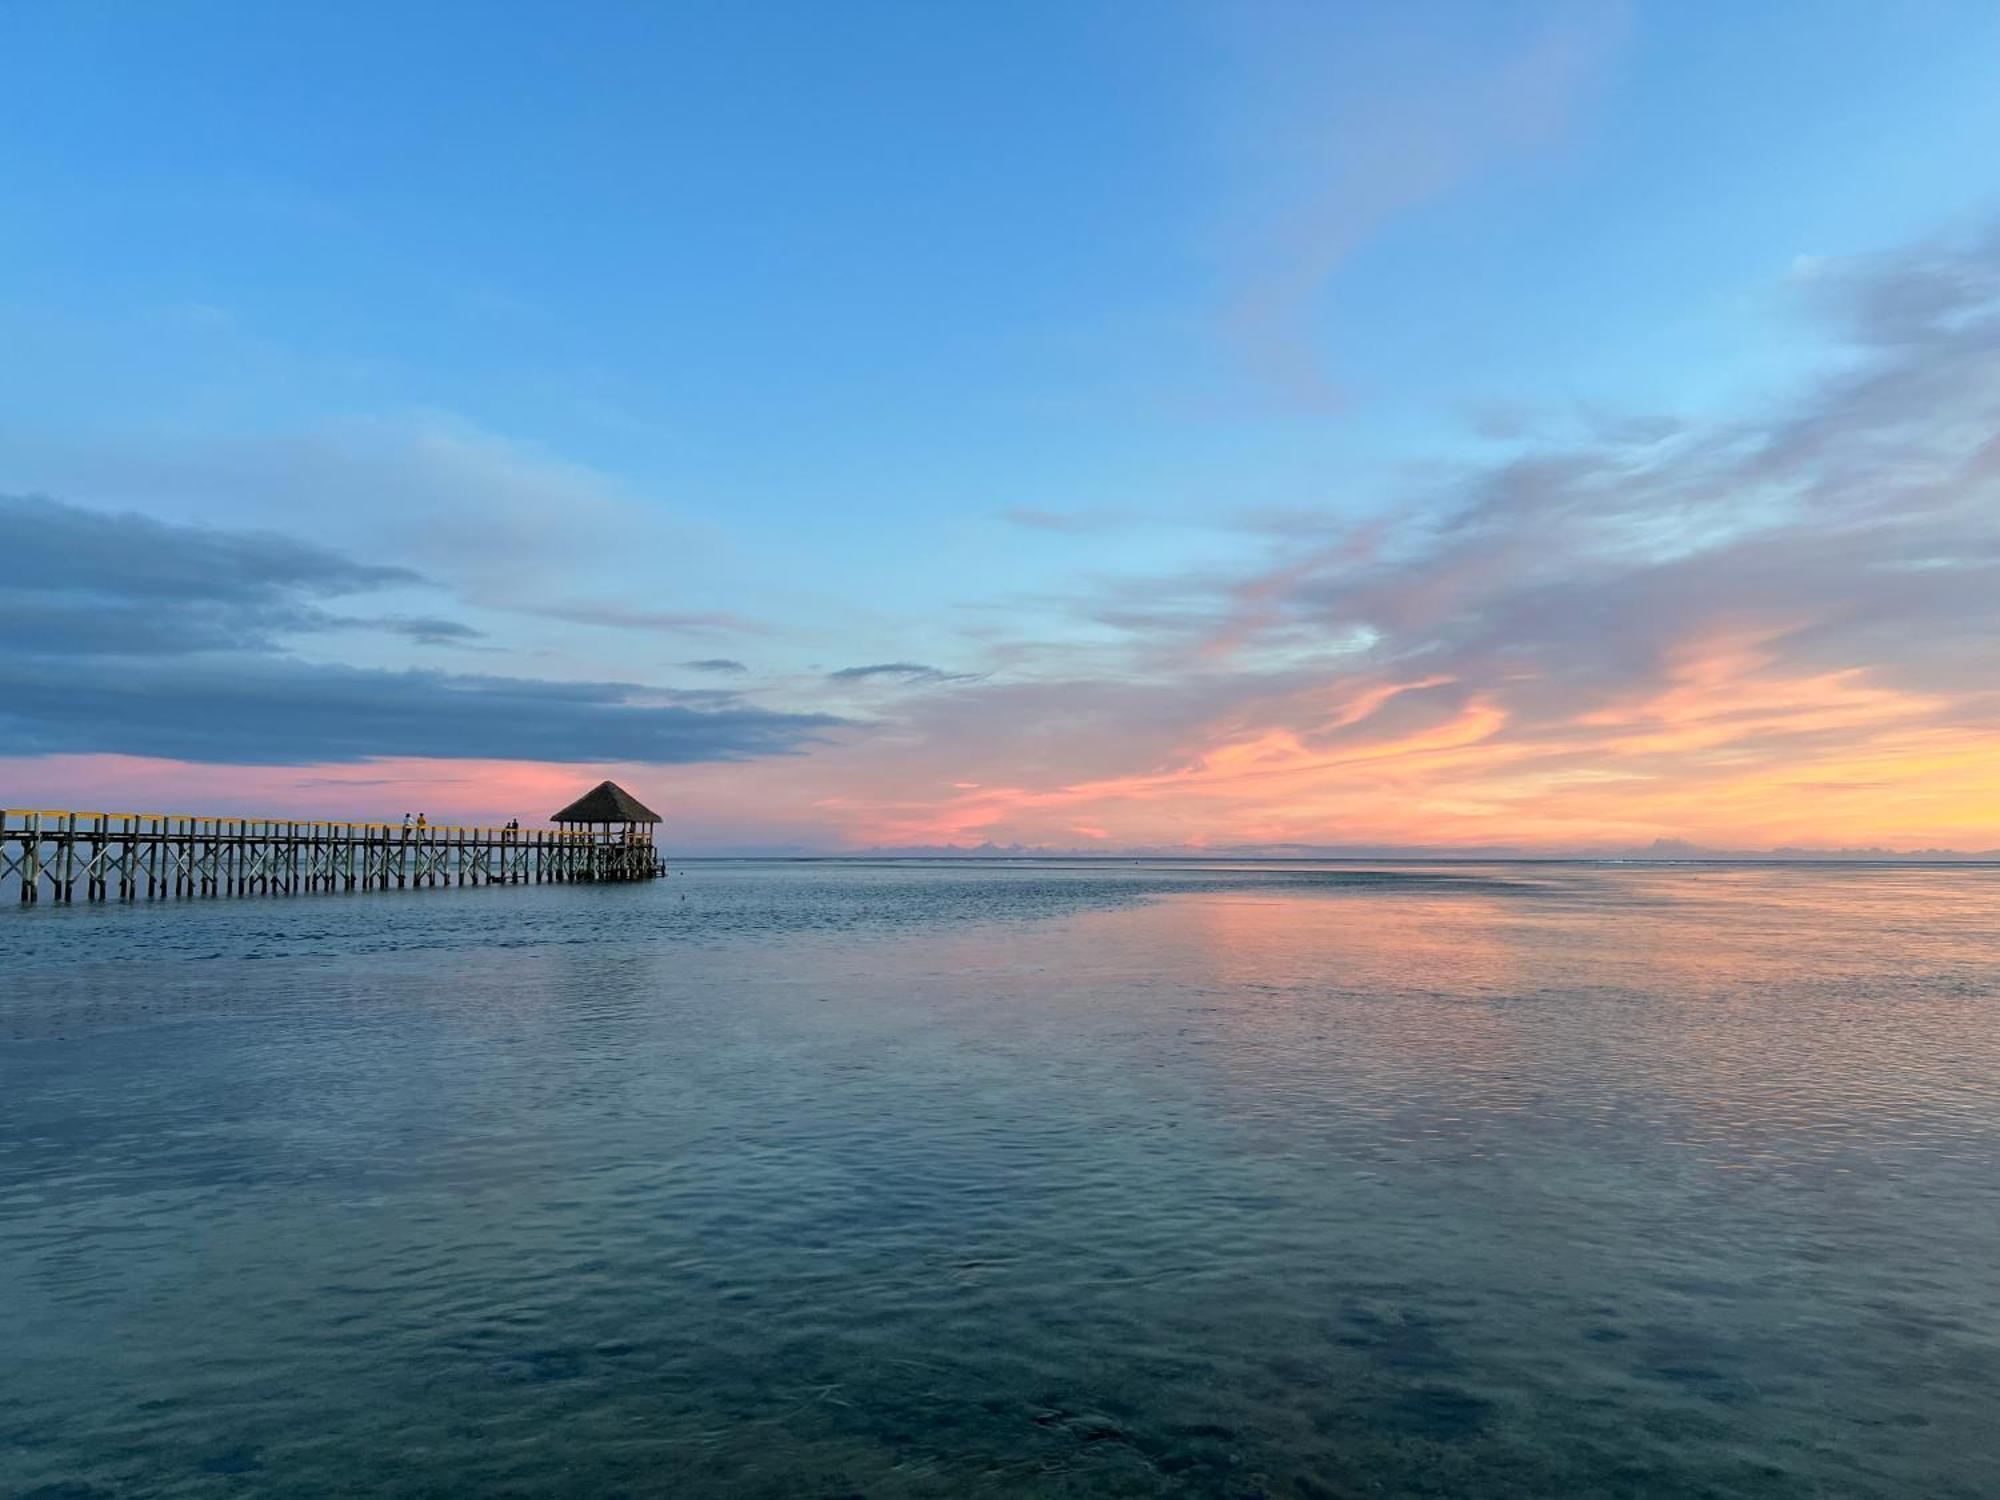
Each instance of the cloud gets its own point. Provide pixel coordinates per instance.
(427, 630)
(1772, 629)
(58, 548)
(715, 664)
(909, 672)
(1856, 530)
(1346, 154)
(114, 582)
(501, 523)
(82, 581)
(144, 637)
(670, 622)
(278, 711)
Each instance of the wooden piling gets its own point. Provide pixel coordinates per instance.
(174, 856)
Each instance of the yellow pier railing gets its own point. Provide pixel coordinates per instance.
(164, 856)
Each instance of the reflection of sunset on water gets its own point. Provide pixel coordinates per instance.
(1411, 1171)
(1724, 1009)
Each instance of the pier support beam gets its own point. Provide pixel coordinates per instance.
(158, 856)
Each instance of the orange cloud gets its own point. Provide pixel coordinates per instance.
(1728, 749)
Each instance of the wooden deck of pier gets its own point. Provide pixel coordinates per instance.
(108, 856)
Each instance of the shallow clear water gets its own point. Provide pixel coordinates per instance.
(818, 1180)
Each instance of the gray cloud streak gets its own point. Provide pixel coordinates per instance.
(83, 582)
(1856, 530)
(1847, 540)
(141, 637)
(56, 547)
(908, 672)
(426, 630)
(275, 711)
(1358, 158)
(671, 622)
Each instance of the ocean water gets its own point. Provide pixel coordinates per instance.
(903, 1180)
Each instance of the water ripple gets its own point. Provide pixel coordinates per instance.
(810, 1181)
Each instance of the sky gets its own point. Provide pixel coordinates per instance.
(1450, 426)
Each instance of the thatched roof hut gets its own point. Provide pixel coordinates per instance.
(607, 802)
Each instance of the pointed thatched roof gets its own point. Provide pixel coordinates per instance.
(607, 802)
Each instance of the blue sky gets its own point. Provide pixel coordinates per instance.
(767, 319)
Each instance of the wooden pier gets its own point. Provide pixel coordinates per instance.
(161, 856)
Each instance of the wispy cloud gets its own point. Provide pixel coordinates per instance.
(1353, 151)
(907, 672)
(55, 547)
(1772, 629)
(281, 711)
(143, 637)
(500, 523)
(664, 621)
(428, 630)
(82, 581)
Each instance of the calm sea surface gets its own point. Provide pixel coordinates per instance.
(836, 1180)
